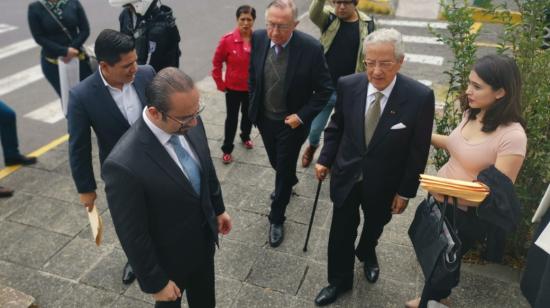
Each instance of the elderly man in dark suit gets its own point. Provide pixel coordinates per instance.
(376, 145)
(289, 85)
(164, 195)
(108, 101)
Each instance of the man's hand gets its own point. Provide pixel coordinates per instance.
(170, 293)
(88, 199)
(399, 204)
(293, 121)
(72, 52)
(321, 172)
(224, 223)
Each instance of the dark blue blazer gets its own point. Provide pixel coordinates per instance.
(308, 85)
(92, 106)
(166, 229)
(395, 157)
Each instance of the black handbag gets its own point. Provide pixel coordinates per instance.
(436, 243)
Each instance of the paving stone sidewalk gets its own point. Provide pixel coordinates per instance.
(46, 249)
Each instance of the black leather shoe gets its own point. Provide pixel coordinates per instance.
(20, 160)
(293, 193)
(5, 192)
(128, 275)
(276, 234)
(328, 295)
(371, 268)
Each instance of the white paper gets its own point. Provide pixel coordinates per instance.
(543, 206)
(69, 76)
(544, 239)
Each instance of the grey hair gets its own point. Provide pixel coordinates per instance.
(283, 4)
(168, 81)
(386, 36)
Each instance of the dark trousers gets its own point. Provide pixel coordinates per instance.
(343, 232)
(51, 72)
(233, 101)
(282, 145)
(8, 131)
(199, 283)
(470, 230)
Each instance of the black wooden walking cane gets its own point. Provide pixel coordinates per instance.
(312, 214)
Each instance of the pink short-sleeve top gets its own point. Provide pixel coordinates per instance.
(468, 159)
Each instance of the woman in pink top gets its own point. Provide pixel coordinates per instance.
(234, 50)
(490, 133)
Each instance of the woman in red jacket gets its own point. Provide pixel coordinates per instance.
(234, 50)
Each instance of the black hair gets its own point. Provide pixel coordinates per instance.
(166, 82)
(246, 9)
(500, 72)
(111, 44)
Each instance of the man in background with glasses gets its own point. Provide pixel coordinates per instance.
(109, 101)
(289, 85)
(164, 195)
(375, 147)
(343, 29)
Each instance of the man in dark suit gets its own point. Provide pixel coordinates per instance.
(164, 195)
(289, 85)
(108, 101)
(376, 145)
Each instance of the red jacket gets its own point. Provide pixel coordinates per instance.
(236, 54)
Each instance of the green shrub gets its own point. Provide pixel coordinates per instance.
(523, 41)
(461, 42)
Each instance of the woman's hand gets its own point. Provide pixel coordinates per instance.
(72, 52)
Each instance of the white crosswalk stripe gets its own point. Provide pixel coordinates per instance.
(431, 40)
(16, 48)
(50, 113)
(7, 28)
(411, 23)
(423, 59)
(21, 79)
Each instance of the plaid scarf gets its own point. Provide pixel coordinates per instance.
(57, 7)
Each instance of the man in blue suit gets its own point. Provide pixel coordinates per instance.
(109, 101)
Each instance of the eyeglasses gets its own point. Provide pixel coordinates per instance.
(185, 121)
(342, 3)
(281, 27)
(383, 65)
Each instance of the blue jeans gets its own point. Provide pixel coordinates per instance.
(8, 132)
(320, 121)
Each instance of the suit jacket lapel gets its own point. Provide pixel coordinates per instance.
(263, 54)
(158, 154)
(294, 54)
(139, 85)
(106, 101)
(392, 109)
(359, 111)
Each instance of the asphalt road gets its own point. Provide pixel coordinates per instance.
(201, 24)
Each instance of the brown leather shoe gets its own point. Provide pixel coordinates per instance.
(308, 155)
(5, 192)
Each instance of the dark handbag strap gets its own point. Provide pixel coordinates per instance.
(57, 20)
(444, 211)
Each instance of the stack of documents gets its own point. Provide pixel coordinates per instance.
(471, 191)
(96, 224)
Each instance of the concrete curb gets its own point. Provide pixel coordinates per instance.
(495, 17)
(11, 298)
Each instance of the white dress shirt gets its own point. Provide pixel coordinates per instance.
(384, 100)
(164, 138)
(126, 100)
